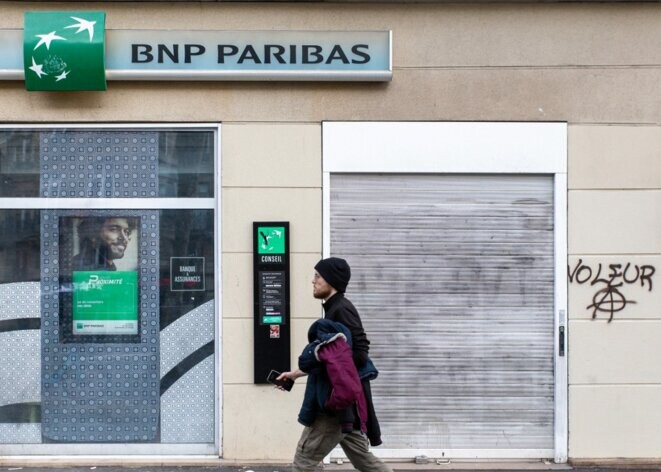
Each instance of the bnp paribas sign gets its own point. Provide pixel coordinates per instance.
(64, 51)
(72, 50)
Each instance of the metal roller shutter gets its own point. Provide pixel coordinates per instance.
(454, 278)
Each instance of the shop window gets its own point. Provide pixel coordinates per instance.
(108, 322)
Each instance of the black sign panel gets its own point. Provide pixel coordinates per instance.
(187, 274)
(271, 298)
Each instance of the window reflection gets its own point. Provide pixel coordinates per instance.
(19, 246)
(19, 164)
(185, 163)
(185, 234)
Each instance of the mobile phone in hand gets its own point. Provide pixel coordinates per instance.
(287, 384)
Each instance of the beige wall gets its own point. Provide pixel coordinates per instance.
(595, 66)
(270, 172)
(614, 219)
(581, 63)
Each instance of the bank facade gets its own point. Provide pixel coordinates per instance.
(490, 171)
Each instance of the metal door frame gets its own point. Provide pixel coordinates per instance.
(463, 147)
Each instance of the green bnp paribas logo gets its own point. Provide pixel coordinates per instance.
(64, 50)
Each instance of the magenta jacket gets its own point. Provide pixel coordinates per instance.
(346, 388)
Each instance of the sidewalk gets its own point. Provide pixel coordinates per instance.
(433, 467)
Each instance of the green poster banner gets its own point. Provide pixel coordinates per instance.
(64, 50)
(105, 302)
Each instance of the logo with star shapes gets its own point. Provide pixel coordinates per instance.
(53, 65)
(64, 51)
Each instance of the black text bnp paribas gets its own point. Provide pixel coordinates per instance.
(248, 54)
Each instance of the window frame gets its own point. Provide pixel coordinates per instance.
(156, 203)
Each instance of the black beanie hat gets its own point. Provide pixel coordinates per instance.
(335, 271)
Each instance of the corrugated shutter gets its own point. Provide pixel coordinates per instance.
(454, 278)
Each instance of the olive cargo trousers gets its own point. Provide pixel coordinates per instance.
(326, 433)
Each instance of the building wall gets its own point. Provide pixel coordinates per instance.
(614, 218)
(581, 63)
(595, 66)
(271, 172)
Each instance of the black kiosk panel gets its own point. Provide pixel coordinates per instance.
(271, 298)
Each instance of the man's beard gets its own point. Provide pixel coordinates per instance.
(115, 252)
(321, 294)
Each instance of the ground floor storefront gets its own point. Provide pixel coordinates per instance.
(111, 264)
(158, 239)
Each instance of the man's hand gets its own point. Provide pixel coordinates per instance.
(290, 375)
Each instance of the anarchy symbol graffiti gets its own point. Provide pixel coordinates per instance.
(608, 300)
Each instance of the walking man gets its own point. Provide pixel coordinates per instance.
(324, 431)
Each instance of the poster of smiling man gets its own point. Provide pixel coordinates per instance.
(99, 276)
